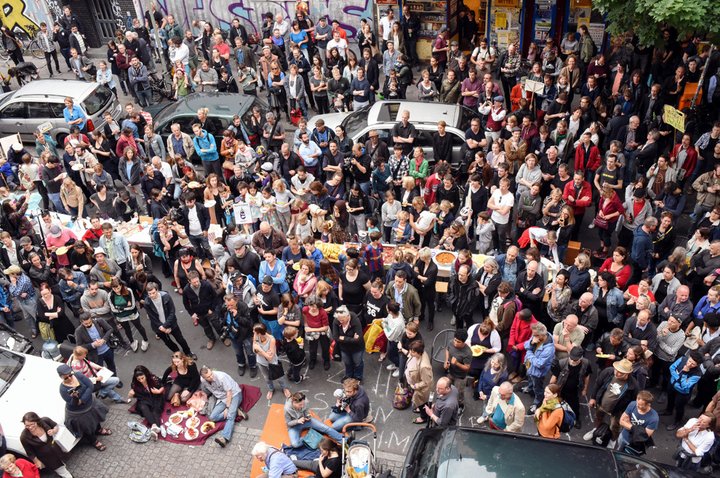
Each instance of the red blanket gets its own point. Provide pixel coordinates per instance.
(251, 394)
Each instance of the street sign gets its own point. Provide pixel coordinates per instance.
(674, 118)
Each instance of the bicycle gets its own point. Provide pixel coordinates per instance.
(30, 43)
(161, 87)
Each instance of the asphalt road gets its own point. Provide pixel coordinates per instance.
(395, 429)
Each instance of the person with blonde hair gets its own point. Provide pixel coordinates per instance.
(105, 386)
(18, 467)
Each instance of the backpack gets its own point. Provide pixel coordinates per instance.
(569, 417)
(601, 436)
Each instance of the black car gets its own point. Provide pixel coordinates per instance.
(14, 341)
(222, 106)
(455, 452)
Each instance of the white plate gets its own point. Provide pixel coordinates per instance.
(77, 167)
(210, 203)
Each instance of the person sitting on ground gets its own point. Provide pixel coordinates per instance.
(150, 394)
(328, 465)
(352, 405)
(275, 463)
(228, 397)
(297, 419)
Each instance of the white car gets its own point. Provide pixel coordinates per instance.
(383, 115)
(30, 384)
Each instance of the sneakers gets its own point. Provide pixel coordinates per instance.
(253, 372)
(672, 427)
(210, 344)
(452, 321)
(134, 345)
(391, 367)
(531, 410)
(611, 444)
(588, 436)
(163, 432)
(591, 226)
(144, 345)
(396, 373)
(227, 342)
(221, 441)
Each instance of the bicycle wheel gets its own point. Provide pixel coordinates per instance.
(35, 50)
(4, 55)
(442, 340)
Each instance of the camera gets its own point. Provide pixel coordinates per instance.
(339, 394)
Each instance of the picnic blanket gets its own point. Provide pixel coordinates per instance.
(251, 394)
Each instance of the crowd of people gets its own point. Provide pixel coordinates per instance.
(589, 160)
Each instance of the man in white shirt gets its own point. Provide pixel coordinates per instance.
(300, 183)
(501, 203)
(228, 398)
(385, 27)
(339, 43)
(697, 438)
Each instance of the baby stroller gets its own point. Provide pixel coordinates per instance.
(24, 72)
(358, 459)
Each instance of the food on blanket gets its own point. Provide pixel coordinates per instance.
(477, 350)
(191, 433)
(190, 412)
(176, 418)
(330, 251)
(192, 422)
(207, 427)
(445, 258)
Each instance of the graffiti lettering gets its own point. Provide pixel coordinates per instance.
(118, 14)
(13, 16)
(54, 9)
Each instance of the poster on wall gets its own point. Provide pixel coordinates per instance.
(504, 23)
(543, 20)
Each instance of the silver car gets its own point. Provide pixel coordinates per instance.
(383, 115)
(42, 101)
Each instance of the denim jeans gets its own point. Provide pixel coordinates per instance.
(339, 420)
(217, 414)
(536, 389)
(108, 360)
(270, 383)
(55, 199)
(108, 389)
(315, 424)
(353, 364)
(246, 347)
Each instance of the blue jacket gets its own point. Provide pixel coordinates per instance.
(642, 248)
(70, 294)
(5, 300)
(683, 382)
(615, 303)
(205, 146)
(278, 274)
(704, 307)
(540, 356)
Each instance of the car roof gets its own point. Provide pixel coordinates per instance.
(465, 451)
(219, 104)
(421, 112)
(45, 89)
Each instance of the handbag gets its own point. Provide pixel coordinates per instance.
(601, 222)
(276, 371)
(402, 397)
(312, 439)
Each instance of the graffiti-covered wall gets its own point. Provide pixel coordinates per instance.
(26, 15)
(221, 12)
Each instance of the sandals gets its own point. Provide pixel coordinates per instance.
(416, 410)
(382, 357)
(419, 421)
(104, 432)
(270, 394)
(99, 446)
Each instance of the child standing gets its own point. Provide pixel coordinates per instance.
(295, 353)
(484, 231)
(373, 256)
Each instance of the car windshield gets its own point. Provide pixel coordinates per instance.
(355, 121)
(472, 454)
(629, 466)
(97, 99)
(466, 115)
(10, 366)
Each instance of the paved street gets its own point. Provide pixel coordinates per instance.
(395, 430)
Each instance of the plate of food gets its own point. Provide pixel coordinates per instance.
(602, 356)
(192, 422)
(445, 258)
(296, 266)
(207, 427)
(191, 433)
(62, 250)
(85, 268)
(477, 350)
(194, 185)
(176, 418)
(77, 167)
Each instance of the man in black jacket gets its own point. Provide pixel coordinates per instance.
(372, 72)
(638, 330)
(410, 24)
(199, 301)
(161, 312)
(464, 295)
(287, 162)
(93, 334)
(237, 326)
(195, 219)
(615, 388)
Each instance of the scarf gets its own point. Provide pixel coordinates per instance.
(548, 406)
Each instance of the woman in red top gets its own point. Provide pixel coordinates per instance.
(317, 327)
(17, 468)
(610, 209)
(634, 292)
(520, 332)
(618, 266)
